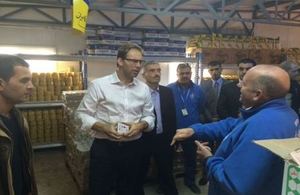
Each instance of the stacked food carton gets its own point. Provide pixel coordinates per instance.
(78, 142)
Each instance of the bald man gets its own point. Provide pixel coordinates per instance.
(239, 166)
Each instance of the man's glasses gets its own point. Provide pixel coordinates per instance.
(135, 61)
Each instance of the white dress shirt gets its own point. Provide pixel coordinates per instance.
(109, 101)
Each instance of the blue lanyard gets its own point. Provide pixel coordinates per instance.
(181, 95)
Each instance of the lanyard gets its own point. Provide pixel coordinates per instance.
(183, 99)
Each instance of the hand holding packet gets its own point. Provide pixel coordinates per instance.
(122, 128)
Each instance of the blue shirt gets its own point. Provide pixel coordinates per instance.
(156, 103)
(189, 103)
(239, 166)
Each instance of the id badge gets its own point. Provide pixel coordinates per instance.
(122, 128)
(184, 112)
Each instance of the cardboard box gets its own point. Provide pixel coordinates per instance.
(283, 148)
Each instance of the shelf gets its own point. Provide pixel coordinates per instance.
(96, 57)
(53, 57)
(44, 146)
(41, 104)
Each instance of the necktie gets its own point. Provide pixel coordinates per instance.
(216, 88)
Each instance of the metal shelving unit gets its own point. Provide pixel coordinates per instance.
(41, 104)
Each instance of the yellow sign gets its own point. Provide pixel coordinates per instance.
(80, 13)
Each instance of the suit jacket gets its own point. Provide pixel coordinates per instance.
(229, 100)
(211, 100)
(168, 114)
(295, 96)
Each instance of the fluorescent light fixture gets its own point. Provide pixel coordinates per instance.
(34, 65)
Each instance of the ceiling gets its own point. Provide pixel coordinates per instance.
(235, 17)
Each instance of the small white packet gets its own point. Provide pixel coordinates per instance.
(122, 128)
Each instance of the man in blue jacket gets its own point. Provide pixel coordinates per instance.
(239, 166)
(189, 103)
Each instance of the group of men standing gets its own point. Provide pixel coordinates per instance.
(138, 120)
(132, 121)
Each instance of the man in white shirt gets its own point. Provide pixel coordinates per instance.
(116, 110)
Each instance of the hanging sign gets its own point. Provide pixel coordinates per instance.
(80, 13)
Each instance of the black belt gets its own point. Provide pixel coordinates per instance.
(117, 143)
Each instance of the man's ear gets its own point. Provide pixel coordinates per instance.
(2, 82)
(120, 61)
(259, 95)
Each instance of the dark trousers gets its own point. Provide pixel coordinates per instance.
(189, 154)
(158, 147)
(113, 164)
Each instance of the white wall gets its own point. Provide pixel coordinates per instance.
(64, 40)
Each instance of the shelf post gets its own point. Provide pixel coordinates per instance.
(198, 67)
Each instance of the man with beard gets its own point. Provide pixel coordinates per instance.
(16, 162)
(228, 103)
(212, 89)
(156, 143)
(189, 103)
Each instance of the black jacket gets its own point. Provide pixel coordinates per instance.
(228, 103)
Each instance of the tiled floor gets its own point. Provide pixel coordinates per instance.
(54, 178)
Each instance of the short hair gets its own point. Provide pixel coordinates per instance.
(183, 65)
(287, 65)
(8, 64)
(146, 64)
(269, 84)
(247, 61)
(125, 48)
(215, 63)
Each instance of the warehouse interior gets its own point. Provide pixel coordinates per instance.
(63, 61)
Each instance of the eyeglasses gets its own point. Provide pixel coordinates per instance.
(135, 61)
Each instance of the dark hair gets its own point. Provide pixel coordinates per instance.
(124, 49)
(183, 65)
(247, 61)
(287, 65)
(215, 63)
(8, 64)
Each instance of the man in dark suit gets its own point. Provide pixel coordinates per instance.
(228, 103)
(212, 89)
(293, 97)
(156, 143)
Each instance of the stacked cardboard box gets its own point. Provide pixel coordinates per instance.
(105, 41)
(77, 141)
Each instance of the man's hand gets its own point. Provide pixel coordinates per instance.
(203, 150)
(182, 134)
(109, 129)
(135, 128)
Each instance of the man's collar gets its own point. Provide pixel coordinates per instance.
(115, 79)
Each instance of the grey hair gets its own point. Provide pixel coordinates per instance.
(269, 85)
(146, 64)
